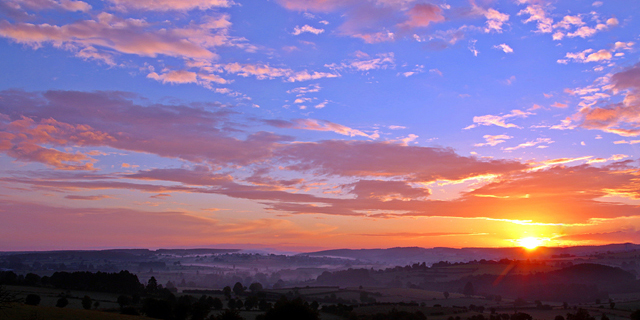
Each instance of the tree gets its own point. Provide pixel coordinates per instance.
(62, 302)
(32, 299)
(251, 302)
(231, 304)
(581, 314)
(295, 309)
(559, 317)
(123, 301)
(468, 289)
(263, 305)
(152, 285)
(227, 292)
(217, 303)
(238, 288)
(446, 294)
(86, 302)
(228, 315)
(255, 287)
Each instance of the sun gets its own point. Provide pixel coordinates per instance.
(530, 243)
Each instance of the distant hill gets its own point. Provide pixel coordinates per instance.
(409, 255)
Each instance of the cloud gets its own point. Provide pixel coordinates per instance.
(499, 121)
(112, 119)
(38, 5)
(569, 21)
(587, 56)
(369, 178)
(493, 140)
(125, 36)
(383, 61)
(387, 159)
(92, 198)
(306, 28)
(387, 190)
(529, 144)
(503, 47)
(169, 5)
(495, 20)
(264, 71)
(421, 15)
(373, 21)
(583, 32)
(538, 14)
(176, 76)
(618, 118)
(320, 125)
(304, 90)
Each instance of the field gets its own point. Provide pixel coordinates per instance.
(25, 312)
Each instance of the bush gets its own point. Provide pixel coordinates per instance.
(62, 302)
(86, 302)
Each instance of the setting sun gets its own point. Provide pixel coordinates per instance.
(530, 243)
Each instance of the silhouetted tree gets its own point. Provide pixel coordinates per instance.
(201, 308)
(521, 316)
(255, 287)
(217, 303)
(62, 302)
(263, 305)
(157, 308)
(227, 292)
(231, 304)
(86, 302)
(559, 317)
(468, 289)
(446, 294)
(251, 302)
(295, 309)
(228, 315)
(123, 301)
(238, 288)
(32, 299)
(152, 285)
(581, 314)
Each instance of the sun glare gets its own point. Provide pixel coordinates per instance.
(530, 243)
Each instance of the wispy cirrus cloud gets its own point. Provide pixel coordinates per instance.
(169, 5)
(500, 121)
(381, 61)
(533, 143)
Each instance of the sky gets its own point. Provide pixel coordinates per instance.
(302, 125)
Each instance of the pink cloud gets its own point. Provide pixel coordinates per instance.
(319, 125)
(619, 118)
(169, 5)
(421, 15)
(108, 35)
